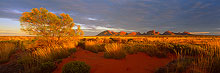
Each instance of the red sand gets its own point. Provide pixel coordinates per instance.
(136, 63)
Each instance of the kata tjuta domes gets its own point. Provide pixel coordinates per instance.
(168, 33)
(152, 32)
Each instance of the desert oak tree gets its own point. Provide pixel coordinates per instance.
(41, 22)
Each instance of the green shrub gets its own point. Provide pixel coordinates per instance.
(76, 67)
(72, 50)
(59, 61)
(48, 67)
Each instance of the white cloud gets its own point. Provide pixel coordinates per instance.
(12, 11)
(112, 29)
(83, 26)
(94, 28)
(92, 19)
(218, 28)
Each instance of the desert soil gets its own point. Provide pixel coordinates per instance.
(135, 63)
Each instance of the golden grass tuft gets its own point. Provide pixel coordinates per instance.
(6, 49)
(114, 50)
(94, 46)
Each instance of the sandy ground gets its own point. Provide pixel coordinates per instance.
(136, 63)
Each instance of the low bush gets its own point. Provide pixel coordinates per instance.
(114, 50)
(72, 50)
(176, 66)
(59, 61)
(48, 67)
(76, 67)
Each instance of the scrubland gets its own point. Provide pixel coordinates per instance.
(190, 54)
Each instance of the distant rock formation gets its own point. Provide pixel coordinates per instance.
(186, 33)
(105, 33)
(138, 33)
(122, 33)
(152, 32)
(168, 33)
(132, 33)
(183, 33)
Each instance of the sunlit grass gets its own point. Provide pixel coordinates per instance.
(203, 51)
(114, 50)
(94, 46)
(34, 59)
(6, 49)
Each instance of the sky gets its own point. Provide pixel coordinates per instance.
(95, 16)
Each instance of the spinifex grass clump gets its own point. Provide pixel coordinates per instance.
(6, 49)
(53, 53)
(114, 50)
(32, 61)
(76, 67)
(133, 47)
(94, 46)
(188, 49)
(205, 58)
(210, 62)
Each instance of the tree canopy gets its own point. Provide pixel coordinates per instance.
(44, 23)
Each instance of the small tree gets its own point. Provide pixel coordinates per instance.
(43, 23)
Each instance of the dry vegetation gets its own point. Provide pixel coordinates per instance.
(6, 49)
(194, 54)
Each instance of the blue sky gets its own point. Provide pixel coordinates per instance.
(196, 16)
